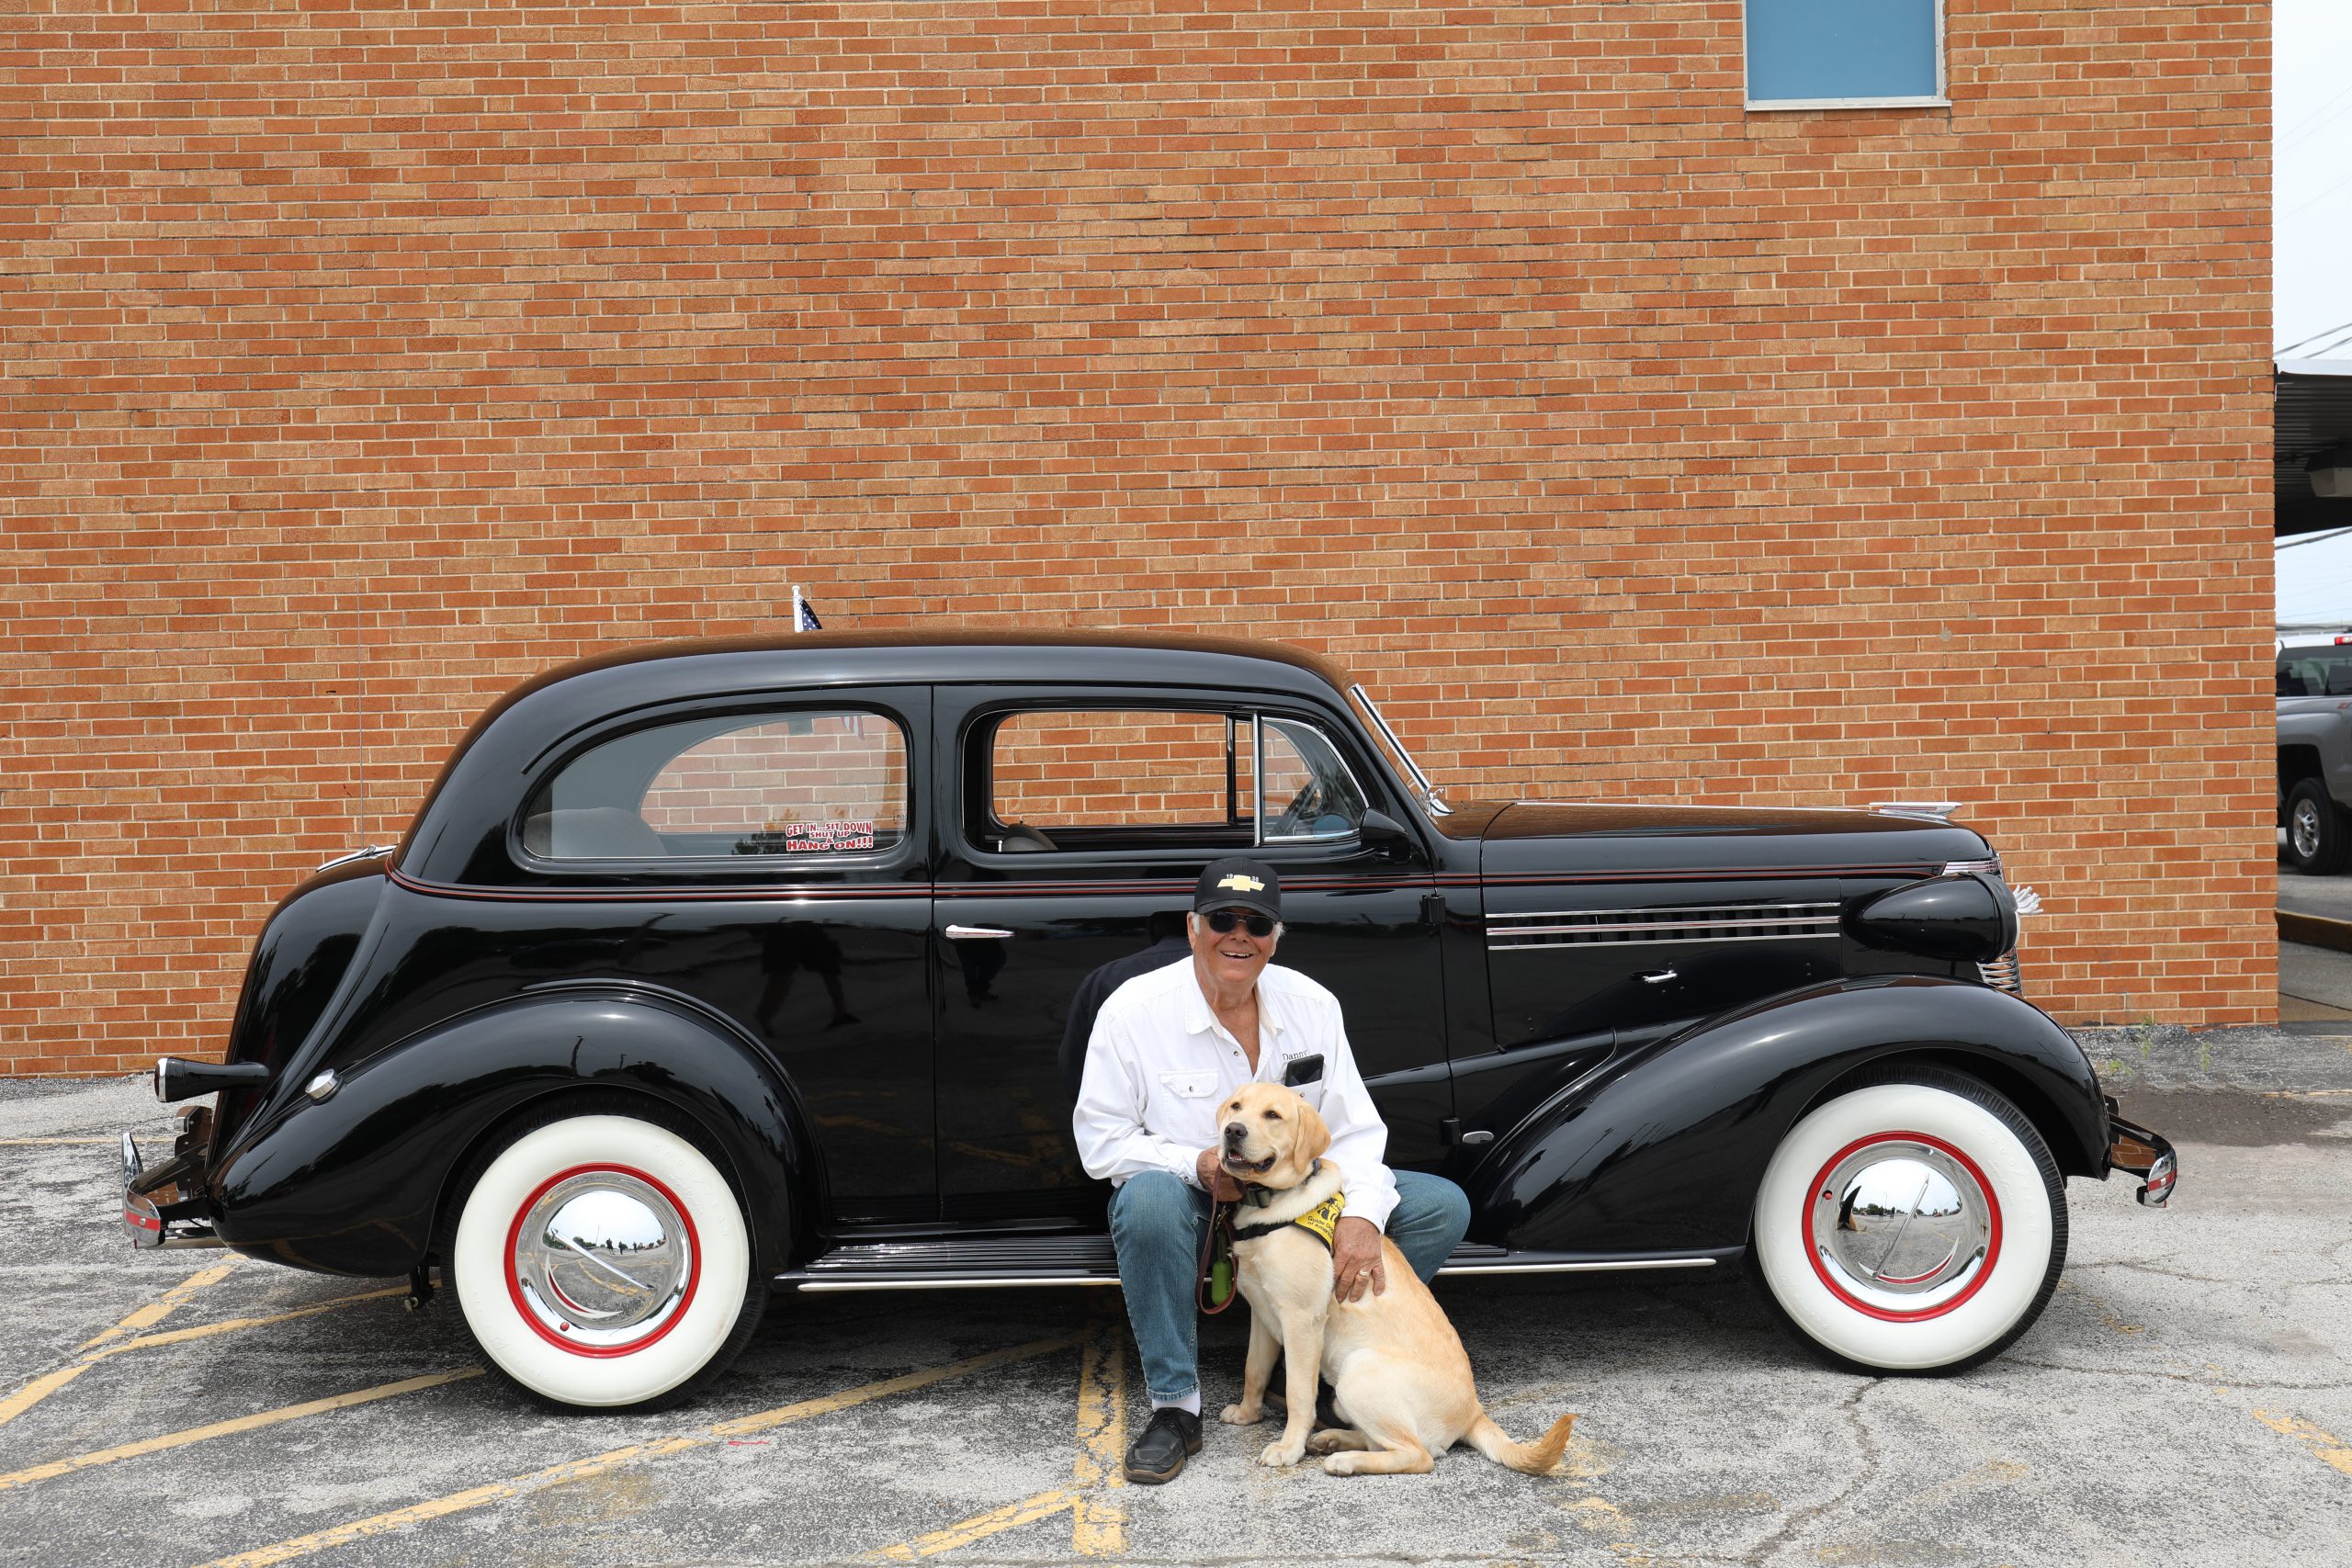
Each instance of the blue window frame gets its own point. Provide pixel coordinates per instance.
(1845, 53)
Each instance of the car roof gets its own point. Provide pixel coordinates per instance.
(982, 636)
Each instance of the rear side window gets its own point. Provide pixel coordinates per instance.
(830, 782)
(2316, 673)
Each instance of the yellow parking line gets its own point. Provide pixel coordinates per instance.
(225, 1428)
(236, 1325)
(2329, 1448)
(581, 1468)
(41, 1387)
(1045, 1504)
(165, 1305)
(154, 1312)
(1098, 1524)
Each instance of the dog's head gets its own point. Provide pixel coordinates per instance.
(1273, 1138)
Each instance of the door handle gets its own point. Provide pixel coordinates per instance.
(1657, 976)
(966, 933)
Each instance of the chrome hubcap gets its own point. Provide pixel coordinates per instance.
(602, 1259)
(2303, 829)
(1901, 1222)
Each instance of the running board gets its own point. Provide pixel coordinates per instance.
(1043, 1261)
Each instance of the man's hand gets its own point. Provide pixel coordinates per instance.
(1356, 1260)
(1219, 1186)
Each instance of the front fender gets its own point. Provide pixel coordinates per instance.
(1661, 1151)
(352, 1185)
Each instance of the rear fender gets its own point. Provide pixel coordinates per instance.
(352, 1185)
(1663, 1150)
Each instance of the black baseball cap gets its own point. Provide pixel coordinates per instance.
(1239, 883)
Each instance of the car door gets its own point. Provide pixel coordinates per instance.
(1073, 829)
(777, 855)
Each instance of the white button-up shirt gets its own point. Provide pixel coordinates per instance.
(1159, 1066)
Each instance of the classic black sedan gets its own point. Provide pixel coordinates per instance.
(715, 968)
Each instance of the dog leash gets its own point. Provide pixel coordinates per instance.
(1212, 1293)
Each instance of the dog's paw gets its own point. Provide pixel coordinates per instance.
(1340, 1464)
(1239, 1415)
(1328, 1442)
(1281, 1455)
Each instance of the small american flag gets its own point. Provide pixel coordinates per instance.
(804, 614)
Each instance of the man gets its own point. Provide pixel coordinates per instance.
(1169, 1048)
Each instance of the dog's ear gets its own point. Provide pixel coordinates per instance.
(1314, 1137)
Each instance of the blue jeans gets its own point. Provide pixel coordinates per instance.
(1157, 1223)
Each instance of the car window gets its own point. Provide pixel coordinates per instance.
(829, 781)
(1308, 791)
(2316, 673)
(1118, 778)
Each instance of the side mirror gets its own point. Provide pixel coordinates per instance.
(1386, 837)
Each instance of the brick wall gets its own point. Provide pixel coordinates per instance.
(363, 360)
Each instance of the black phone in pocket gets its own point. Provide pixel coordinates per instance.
(1303, 1070)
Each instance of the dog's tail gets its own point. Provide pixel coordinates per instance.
(1538, 1458)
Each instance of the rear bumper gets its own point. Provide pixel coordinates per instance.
(2131, 1147)
(164, 1204)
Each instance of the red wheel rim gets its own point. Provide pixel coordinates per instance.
(1812, 1243)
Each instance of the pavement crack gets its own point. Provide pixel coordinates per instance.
(2138, 1268)
(2198, 1379)
(1848, 1409)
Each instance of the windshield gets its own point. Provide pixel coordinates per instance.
(1432, 800)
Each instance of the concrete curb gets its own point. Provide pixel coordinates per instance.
(2315, 930)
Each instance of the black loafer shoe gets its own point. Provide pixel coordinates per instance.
(1158, 1455)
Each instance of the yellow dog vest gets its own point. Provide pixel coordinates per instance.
(1321, 1222)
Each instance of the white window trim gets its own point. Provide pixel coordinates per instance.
(1937, 99)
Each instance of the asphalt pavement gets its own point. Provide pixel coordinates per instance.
(2185, 1398)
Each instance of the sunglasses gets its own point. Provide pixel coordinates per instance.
(1223, 920)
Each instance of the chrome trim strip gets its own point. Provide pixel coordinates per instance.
(371, 850)
(1938, 811)
(987, 1281)
(936, 1282)
(1599, 1267)
(1432, 801)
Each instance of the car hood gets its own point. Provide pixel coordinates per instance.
(1534, 837)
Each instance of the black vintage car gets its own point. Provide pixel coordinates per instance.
(722, 967)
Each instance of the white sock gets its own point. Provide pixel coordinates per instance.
(1190, 1403)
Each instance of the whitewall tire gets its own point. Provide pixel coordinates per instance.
(1911, 1226)
(603, 1261)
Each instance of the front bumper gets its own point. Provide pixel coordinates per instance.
(2133, 1148)
(165, 1205)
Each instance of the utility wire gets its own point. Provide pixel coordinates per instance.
(2318, 538)
(2334, 98)
(2323, 331)
(2306, 207)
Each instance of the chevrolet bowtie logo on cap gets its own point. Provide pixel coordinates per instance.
(1238, 883)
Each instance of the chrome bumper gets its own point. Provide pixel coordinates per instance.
(2133, 1148)
(163, 1205)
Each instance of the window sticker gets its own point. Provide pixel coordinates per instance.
(825, 838)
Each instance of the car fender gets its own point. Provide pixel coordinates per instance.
(2321, 725)
(354, 1184)
(1660, 1150)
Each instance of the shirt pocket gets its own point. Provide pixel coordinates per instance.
(1188, 1085)
(1310, 1092)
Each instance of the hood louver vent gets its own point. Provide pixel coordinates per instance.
(1710, 923)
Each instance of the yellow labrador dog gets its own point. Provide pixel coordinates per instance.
(1402, 1377)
